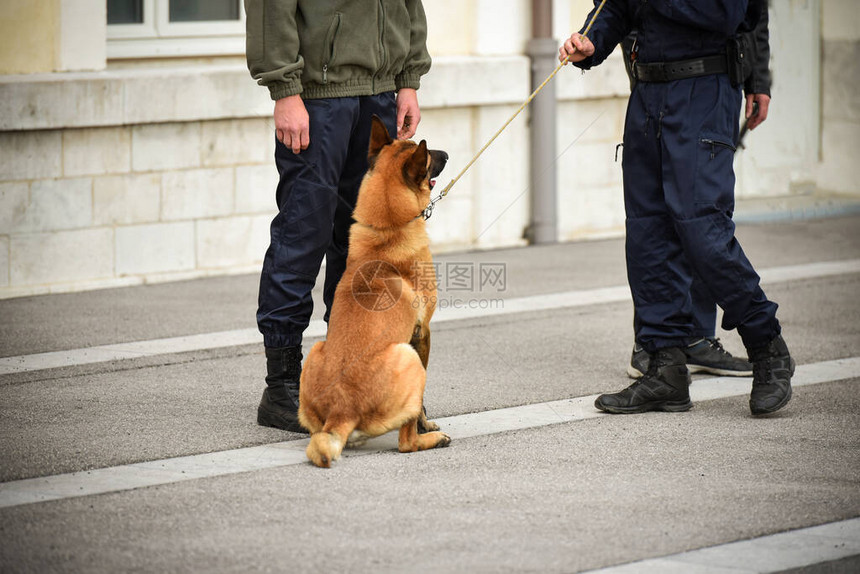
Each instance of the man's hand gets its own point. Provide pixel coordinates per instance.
(408, 113)
(576, 48)
(763, 101)
(292, 125)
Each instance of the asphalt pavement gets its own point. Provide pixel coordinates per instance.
(520, 329)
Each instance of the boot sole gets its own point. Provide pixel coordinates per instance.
(669, 407)
(635, 373)
(269, 419)
(717, 371)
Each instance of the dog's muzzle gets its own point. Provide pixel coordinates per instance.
(438, 159)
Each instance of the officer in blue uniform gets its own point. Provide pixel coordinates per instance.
(680, 136)
(705, 353)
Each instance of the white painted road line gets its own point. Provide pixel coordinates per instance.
(535, 303)
(622, 292)
(167, 471)
(774, 553)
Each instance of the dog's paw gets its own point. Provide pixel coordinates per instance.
(357, 439)
(426, 426)
(444, 441)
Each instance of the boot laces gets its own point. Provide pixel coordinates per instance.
(658, 360)
(762, 372)
(293, 391)
(652, 369)
(650, 376)
(717, 346)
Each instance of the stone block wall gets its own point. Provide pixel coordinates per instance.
(159, 171)
(108, 194)
(120, 205)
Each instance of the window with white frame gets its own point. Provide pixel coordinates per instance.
(164, 28)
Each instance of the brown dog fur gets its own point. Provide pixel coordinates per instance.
(368, 376)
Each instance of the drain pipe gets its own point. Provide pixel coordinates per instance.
(542, 49)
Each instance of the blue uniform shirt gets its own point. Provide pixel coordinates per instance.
(670, 30)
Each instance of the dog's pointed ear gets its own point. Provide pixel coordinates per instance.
(415, 168)
(379, 138)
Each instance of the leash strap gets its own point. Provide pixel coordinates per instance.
(428, 211)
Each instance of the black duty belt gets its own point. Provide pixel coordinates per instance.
(680, 70)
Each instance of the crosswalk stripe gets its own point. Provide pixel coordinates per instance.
(534, 303)
(172, 470)
(764, 555)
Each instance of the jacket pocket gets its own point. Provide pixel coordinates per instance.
(330, 46)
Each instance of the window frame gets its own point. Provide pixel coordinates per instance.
(158, 37)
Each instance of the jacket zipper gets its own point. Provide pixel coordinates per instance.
(381, 44)
(330, 39)
(715, 143)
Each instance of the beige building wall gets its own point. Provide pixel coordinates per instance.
(160, 170)
(839, 170)
(28, 38)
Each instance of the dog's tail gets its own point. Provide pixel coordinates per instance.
(327, 444)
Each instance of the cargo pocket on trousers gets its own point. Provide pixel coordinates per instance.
(715, 176)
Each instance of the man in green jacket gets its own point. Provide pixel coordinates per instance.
(329, 66)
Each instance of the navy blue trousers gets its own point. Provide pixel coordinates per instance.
(316, 195)
(679, 141)
(703, 313)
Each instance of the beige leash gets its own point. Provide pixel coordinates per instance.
(428, 211)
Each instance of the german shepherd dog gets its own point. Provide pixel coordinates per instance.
(368, 376)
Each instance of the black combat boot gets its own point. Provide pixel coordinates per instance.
(706, 355)
(279, 407)
(664, 387)
(773, 368)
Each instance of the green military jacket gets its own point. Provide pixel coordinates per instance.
(336, 48)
